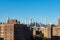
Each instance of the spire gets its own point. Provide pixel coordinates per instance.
(8, 19)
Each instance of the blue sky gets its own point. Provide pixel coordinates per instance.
(38, 10)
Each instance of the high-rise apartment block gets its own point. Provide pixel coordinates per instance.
(13, 30)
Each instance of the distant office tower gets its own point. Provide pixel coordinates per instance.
(13, 30)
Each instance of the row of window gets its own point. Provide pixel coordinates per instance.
(10, 36)
(8, 29)
(6, 39)
(5, 32)
(7, 36)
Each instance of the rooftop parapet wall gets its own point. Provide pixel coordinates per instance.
(13, 22)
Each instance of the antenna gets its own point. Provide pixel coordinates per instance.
(8, 19)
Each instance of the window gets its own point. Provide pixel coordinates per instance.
(10, 32)
(10, 29)
(5, 29)
(10, 36)
(10, 39)
(5, 32)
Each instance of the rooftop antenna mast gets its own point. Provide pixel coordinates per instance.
(8, 18)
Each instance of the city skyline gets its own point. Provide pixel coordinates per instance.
(38, 10)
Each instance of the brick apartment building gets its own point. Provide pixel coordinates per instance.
(52, 31)
(13, 30)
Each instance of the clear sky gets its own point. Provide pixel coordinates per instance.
(38, 10)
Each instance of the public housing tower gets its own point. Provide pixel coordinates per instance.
(13, 30)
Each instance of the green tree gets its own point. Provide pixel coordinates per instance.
(41, 36)
(44, 38)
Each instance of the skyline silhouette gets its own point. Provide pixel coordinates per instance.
(38, 10)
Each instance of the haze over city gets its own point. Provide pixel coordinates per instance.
(38, 10)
